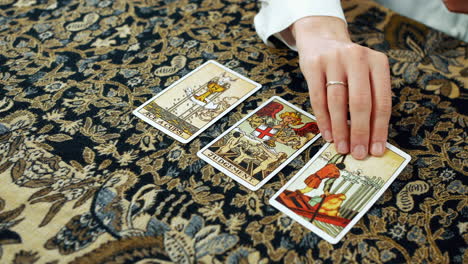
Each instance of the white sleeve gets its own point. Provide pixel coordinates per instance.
(277, 15)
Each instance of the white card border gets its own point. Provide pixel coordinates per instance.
(318, 231)
(273, 173)
(177, 137)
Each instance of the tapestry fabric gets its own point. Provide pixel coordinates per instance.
(82, 180)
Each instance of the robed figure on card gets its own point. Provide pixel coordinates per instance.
(334, 190)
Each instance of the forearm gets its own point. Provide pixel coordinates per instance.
(275, 17)
(324, 26)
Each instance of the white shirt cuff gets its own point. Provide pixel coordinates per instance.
(277, 15)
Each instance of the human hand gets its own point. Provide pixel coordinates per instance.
(326, 53)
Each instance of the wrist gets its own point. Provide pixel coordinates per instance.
(327, 27)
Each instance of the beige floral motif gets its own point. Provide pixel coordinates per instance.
(235, 222)
(213, 211)
(251, 202)
(24, 3)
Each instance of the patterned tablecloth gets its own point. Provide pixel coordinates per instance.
(71, 72)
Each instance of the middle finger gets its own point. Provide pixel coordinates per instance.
(360, 102)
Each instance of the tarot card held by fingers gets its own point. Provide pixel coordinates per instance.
(333, 191)
(262, 143)
(195, 102)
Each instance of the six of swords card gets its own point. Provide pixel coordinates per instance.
(196, 101)
(262, 143)
(333, 191)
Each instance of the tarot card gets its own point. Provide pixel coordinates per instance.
(196, 101)
(262, 143)
(333, 191)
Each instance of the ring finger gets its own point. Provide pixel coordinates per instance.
(337, 98)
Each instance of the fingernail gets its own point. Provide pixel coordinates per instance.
(377, 149)
(327, 136)
(359, 152)
(342, 147)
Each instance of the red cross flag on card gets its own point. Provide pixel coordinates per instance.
(264, 132)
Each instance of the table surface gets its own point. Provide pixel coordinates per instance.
(75, 163)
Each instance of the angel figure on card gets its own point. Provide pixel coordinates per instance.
(287, 128)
